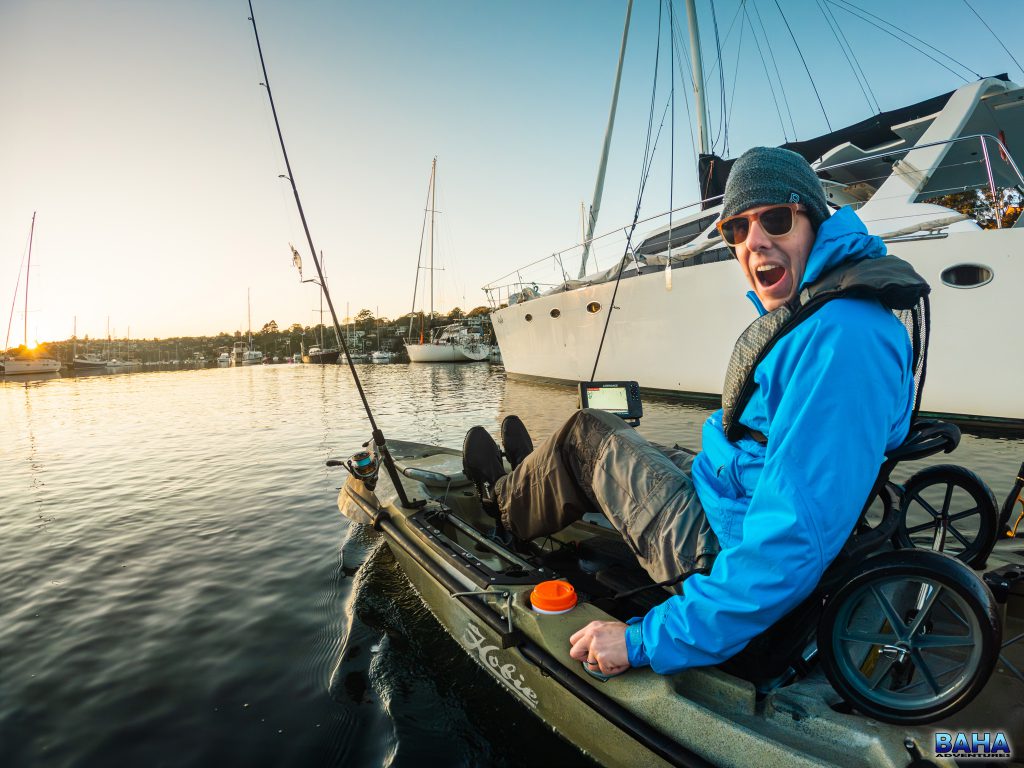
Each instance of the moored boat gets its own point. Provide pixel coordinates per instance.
(937, 180)
(27, 363)
(320, 356)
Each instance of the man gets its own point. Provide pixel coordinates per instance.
(819, 387)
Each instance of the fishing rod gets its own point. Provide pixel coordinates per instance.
(362, 463)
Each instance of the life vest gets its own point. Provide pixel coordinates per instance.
(887, 279)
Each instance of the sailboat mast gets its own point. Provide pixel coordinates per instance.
(595, 206)
(28, 269)
(248, 313)
(698, 79)
(433, 199)
(419, 254)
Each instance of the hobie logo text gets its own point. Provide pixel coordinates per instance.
(959, 745)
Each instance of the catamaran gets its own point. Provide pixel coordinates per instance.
(898, 169)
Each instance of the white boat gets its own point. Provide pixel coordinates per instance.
(224, 358)
(243, 353)
(674, 329)
(380, 356)
(453, 343)
(27, 364)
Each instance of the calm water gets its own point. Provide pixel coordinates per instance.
(178, 588)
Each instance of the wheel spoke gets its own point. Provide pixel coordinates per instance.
(962, 515)
(923, 527)
(958, 536)
(956, 614)
(947, 500)
(871, 638)
(925, 671)
(890, 613)
(881, 670)
(928, 507)
(944, 641)
(955, 667)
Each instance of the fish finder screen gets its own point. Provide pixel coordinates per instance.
(608, 399)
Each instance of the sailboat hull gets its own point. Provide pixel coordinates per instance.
(21, 367)
(679, 341)
(326, 357)
(446, 353)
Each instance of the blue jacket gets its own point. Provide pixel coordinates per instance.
(833, 396)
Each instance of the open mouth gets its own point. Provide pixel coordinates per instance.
(769, 274)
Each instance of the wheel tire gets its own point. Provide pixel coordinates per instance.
(959, 623)
(938, 495)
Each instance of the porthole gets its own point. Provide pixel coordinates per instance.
(528, 317)
(966, 276)
(593, 307)
(556, 312)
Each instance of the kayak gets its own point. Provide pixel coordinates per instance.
(479, 588)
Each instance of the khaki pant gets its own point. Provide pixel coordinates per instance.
(597, 463)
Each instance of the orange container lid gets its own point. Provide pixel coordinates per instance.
(553, 596)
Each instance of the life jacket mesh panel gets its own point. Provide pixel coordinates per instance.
(917, 322)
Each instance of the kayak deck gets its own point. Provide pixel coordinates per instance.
(479, 590)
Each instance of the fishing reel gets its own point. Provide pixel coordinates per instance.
(363, 465)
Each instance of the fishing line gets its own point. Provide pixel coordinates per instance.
(806, 68)
(982, 20)
(648, 162)
(378, 436)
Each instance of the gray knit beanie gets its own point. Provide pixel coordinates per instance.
(770, 175)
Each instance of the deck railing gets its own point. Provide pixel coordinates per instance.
(611, 247)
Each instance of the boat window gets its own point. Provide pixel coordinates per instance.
(555, 312)
(593, 307)
(966, 276)
(529, 317)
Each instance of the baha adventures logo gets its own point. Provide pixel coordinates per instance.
(962, 745)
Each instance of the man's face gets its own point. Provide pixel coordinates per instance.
(774, 266)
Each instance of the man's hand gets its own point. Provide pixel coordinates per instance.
(601, 645)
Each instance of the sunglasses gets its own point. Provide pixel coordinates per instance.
(776, 221)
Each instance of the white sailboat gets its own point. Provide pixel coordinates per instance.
(893, 169)
(243, 353)
(27, 364)
(453, 343)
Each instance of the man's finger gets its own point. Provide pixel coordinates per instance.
(575, 636)
(581, 649)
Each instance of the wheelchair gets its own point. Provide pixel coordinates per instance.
(905, 631)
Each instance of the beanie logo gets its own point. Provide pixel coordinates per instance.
(794, 197)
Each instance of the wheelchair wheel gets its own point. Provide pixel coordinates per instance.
(911, 638)
(949, 509)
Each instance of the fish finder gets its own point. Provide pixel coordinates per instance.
(619, 397)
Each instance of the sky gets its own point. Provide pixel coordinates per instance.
(139, 133)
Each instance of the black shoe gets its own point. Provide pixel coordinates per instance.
(481, 463)
(516, 440)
